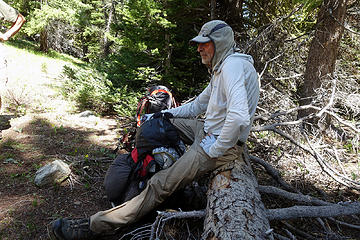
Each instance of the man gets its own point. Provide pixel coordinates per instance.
(229, 103)
(9, 14)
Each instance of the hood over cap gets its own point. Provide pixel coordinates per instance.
(222, 35)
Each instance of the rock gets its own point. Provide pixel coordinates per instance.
(54, 172)
(11, 160)
(86, 114)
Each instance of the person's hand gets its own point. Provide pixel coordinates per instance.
(146, 117)
(207, 142)
(3, 37)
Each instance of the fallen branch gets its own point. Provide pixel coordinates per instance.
(179, 215)
(266, 64)
(166, 216)
(293, 196)
(341, 24)
(323, 164)
(139, 233)
(345, 224)
(292, 237)
(280, 113)
(299, 232)
(330, 171)
(333, 210)
(273, 172)
(330, 103)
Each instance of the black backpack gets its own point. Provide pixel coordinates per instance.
(157, 132)
(128, 174)
(156, 99)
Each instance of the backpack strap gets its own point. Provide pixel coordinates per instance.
(140, 108)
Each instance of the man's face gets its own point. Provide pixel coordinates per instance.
(206, 51)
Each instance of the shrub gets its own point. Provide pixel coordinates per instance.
(91, 90)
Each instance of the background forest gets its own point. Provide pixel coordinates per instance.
(138, 43)
(306, 131)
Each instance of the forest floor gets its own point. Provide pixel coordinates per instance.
(38, 126)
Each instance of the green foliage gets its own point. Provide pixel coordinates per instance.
(149, 42)
(69, 11)
(91, 89)
(151, 34)
(309, 5)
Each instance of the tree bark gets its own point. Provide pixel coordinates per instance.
(323, 49)
(233, 14)
(213, 9)
(234, 206)
(168, 53)
(44, 47)
(109, 20)
(333, 210)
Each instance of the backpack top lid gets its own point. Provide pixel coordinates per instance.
(157, 87)
(158, 98)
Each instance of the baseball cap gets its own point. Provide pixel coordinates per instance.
(207, 29)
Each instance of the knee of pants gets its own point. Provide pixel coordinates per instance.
(158, 186)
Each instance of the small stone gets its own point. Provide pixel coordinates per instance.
(77, 203)
(54, 172)
(86, 114)
(10, 160)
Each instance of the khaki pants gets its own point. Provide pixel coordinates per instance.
(194, 163)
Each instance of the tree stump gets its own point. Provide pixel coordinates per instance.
(234, 207)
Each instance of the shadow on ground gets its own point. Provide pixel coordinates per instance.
(25, 209)
(5, 121)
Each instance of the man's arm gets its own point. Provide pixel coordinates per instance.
(193, 108)
(14, 28)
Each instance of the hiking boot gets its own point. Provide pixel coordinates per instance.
(71, 229)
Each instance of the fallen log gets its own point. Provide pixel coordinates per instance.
(234, 207)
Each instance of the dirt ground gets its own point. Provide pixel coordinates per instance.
(31, 142)
(37, 127)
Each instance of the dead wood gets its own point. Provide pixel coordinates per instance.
(333, 210)
(274, 173)
(234, 209)
(311, 150)
(293, 196)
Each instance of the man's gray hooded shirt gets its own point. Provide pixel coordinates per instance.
(229, 101)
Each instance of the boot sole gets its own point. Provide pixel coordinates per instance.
(51, 233)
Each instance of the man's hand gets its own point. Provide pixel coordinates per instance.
(207, 142)
(146, 117)
(3, 37)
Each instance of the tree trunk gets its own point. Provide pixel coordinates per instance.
(44, 47)
(234, 206)
(110, 17)
(213, 9)
(323, 49)
(168, 53)
(233, 14)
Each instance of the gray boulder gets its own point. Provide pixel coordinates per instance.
(54, 172)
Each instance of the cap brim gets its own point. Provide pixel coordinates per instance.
(200, 39)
